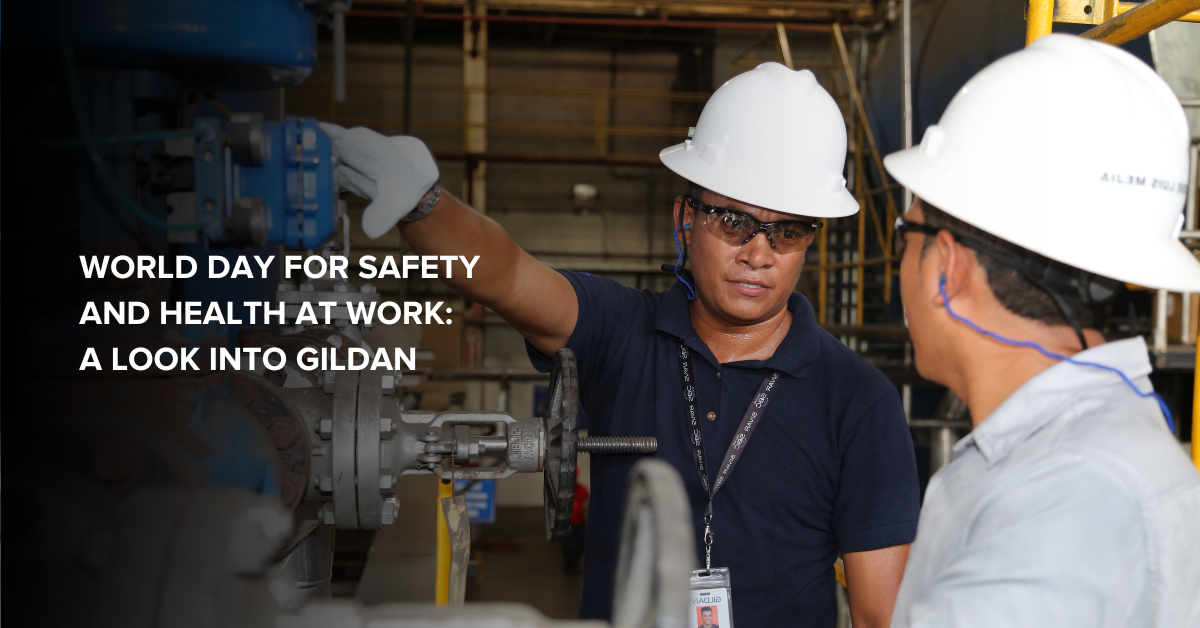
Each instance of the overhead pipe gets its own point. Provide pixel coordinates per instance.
(410, 15)
(906, 28)
(339, 50)
(590, 21)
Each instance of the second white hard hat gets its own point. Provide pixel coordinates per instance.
(771, 137)
(1070, 148)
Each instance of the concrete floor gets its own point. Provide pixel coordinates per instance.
(515, 561)
(518, 564)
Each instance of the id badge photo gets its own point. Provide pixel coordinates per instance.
(711, 598)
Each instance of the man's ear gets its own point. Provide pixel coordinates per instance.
(956, 265)
(683, 217)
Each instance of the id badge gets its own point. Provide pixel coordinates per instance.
(711, 598)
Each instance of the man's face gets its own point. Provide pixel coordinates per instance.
(741, 283)
(918, 277)
(706, 617)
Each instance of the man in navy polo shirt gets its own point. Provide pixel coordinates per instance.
(811, 454)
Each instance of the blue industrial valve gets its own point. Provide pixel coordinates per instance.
(262, 183)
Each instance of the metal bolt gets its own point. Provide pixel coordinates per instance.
(325, 482)
(209, 207)
(325, 429)
(306, 287)
(209, 156)
(387, 428)
(325, 515)
(367, 288)
(389, 384)
(341, 287)
(386, 482)
(391, 509)
(432, 436)
(286, 287)
(330, 378)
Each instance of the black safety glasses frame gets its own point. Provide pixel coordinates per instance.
(899, 242)
(740, 227)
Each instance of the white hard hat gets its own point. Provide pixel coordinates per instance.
(1069, 148)
(771, 137)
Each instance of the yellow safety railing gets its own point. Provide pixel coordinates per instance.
(1115, 22)
(441, 587)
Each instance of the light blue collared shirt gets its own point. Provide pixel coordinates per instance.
(1072, 505)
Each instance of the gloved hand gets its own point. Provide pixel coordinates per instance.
(394, 173)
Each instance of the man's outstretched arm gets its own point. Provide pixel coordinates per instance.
(533, 298)
(396, 174)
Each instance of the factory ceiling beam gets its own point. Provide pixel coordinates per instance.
(614, 22)
(729, 9)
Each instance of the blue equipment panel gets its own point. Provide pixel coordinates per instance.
(481, 499)
(295, 182)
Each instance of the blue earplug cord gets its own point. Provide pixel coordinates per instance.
(1051, 355)
(691, 295)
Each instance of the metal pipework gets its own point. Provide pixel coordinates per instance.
(339, 50)
(524, 440)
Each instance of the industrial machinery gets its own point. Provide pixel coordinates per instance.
(207, 557)
(154, 499)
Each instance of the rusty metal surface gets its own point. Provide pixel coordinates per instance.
(285, 425)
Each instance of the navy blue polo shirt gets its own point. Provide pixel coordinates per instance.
(829, 469)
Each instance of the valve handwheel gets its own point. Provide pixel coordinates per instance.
(562, 411)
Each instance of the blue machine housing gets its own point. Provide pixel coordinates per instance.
(295, 183)
(211, 45)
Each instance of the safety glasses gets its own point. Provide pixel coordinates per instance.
(737, 228)
(899, 241)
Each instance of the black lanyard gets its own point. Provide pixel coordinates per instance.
(750, 421)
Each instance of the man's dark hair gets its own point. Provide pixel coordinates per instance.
(1012, 287)
(706, 608)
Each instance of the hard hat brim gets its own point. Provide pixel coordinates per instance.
(747, 187)
(1160, 263)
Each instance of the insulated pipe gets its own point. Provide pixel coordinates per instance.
(1039, 19)
(1160, 321)
(339, 50)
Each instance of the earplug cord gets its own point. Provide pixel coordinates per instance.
(691, 293)
(1052, 355)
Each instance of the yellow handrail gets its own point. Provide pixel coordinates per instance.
(441, 587)
(1039, 21)
(1196, 413)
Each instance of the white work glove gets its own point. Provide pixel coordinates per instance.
(394, 173)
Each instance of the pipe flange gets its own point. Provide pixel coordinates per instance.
(345, 418)
(370, 501)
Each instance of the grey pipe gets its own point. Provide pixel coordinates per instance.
(339, 51)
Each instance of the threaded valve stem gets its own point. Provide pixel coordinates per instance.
(617, 445)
